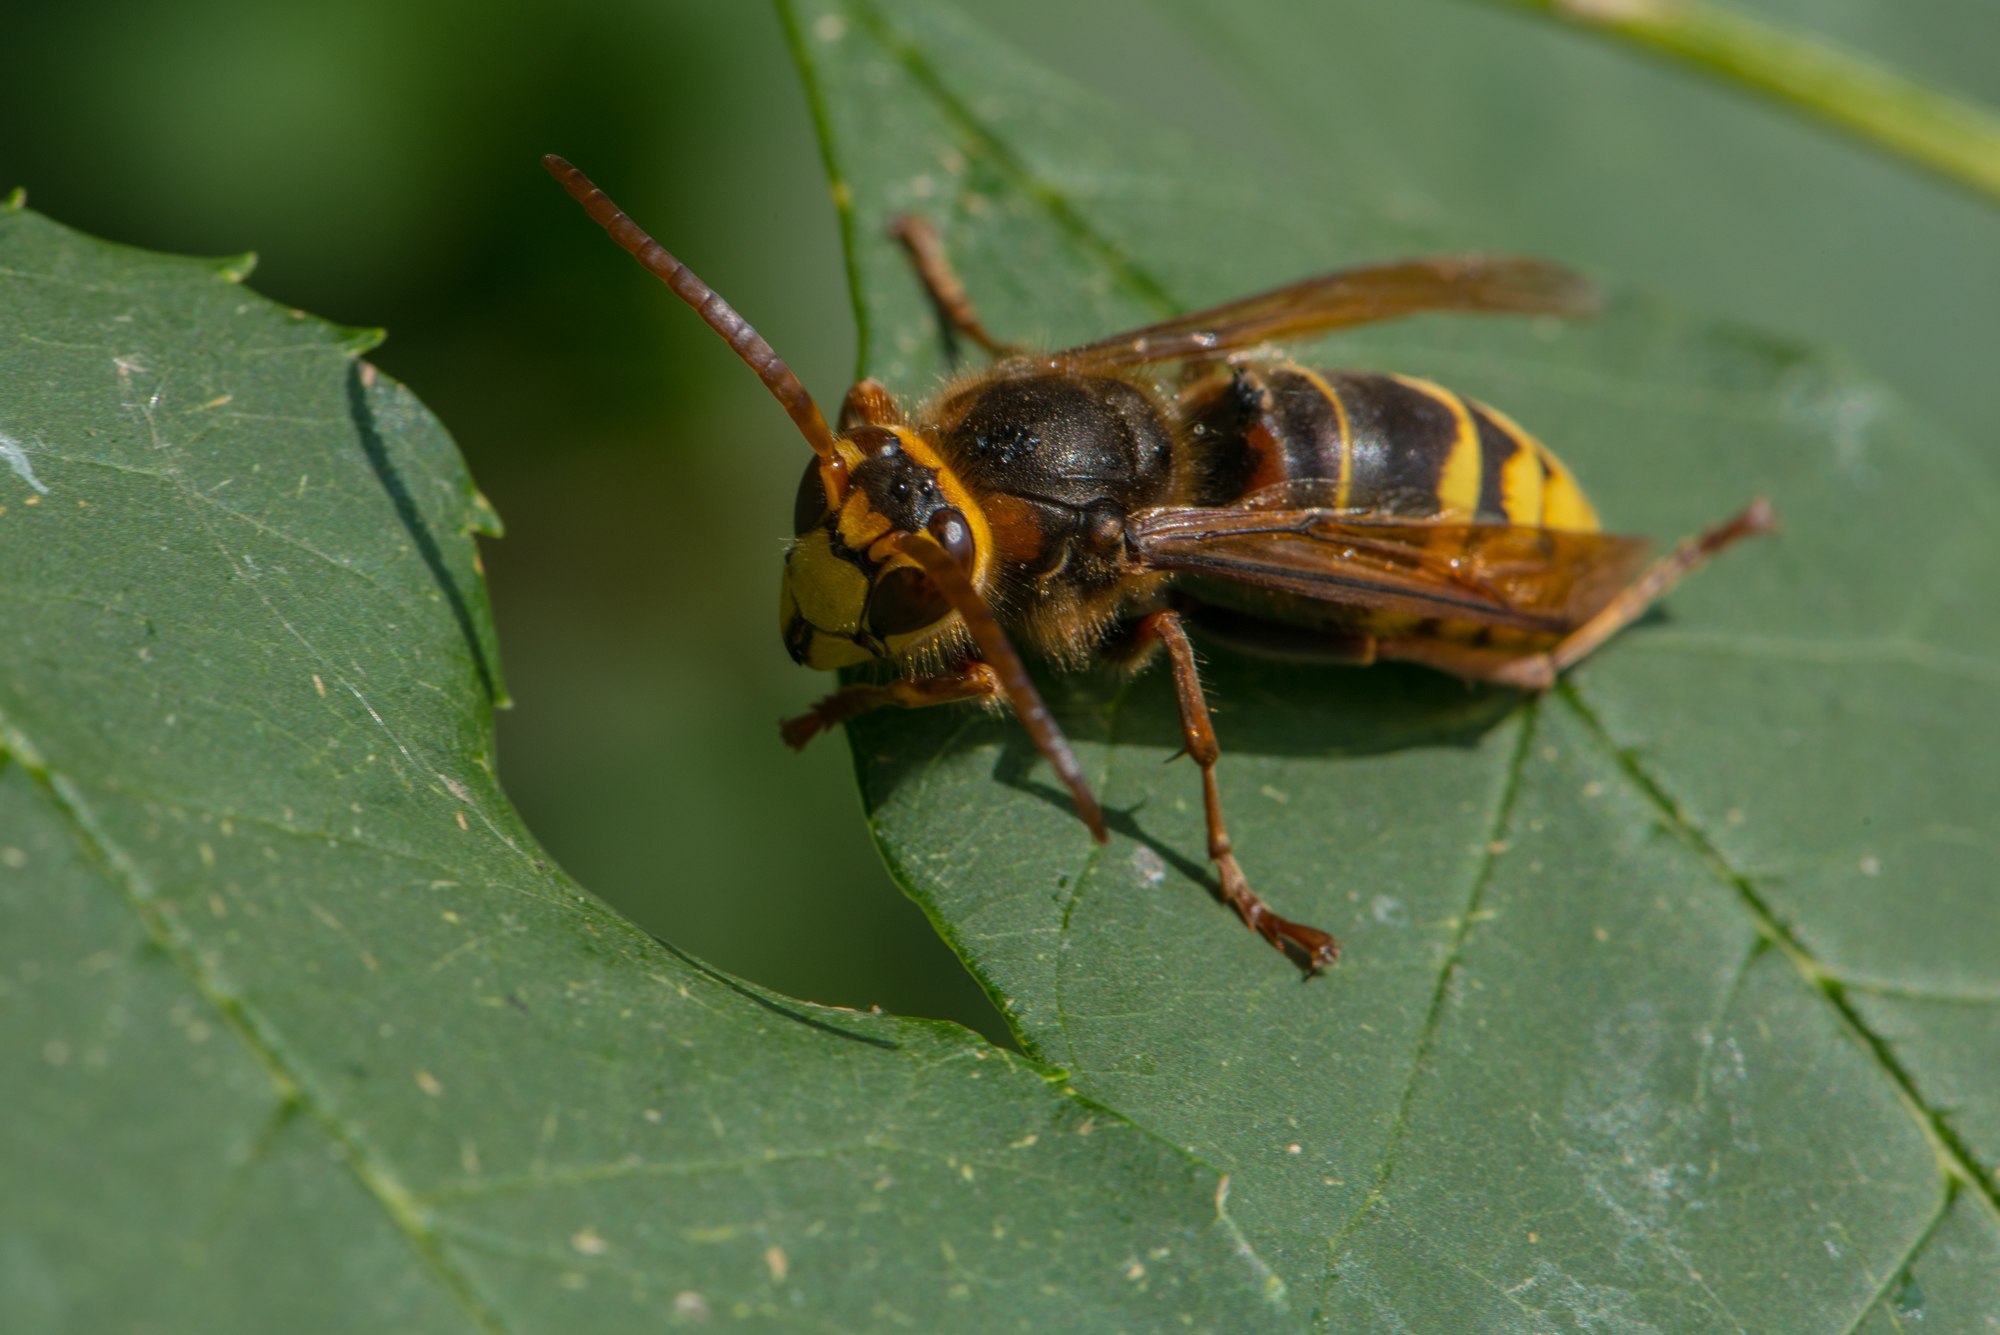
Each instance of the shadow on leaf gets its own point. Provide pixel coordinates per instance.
(1260, 707)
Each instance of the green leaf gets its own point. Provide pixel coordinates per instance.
(1670, 998)
(298, 1028)
(1952, 136)
(1493, 130)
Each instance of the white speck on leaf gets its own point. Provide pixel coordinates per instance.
(1587, 1306)
(17, 458)
(1152, 871)
(1390, 911)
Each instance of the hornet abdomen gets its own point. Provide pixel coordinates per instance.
(1389, 445)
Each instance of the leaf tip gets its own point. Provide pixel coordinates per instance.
(358, 341)
(485, 519)
(16, 200)
(236, 268)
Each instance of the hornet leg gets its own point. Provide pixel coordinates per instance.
(868, 404)
(1316, 949)
(920, 239)
(974, 681)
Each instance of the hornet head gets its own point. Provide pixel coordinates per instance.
(850, 592)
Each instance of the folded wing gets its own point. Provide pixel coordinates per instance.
(1523, 578)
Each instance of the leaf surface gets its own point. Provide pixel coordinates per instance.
(1490, 128)
(1669, 1001)
(298, 1028)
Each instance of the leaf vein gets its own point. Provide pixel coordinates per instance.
(1503, 812)
(124, 872)
(1954, 1155)
(1070, 220)
(1902, 1263)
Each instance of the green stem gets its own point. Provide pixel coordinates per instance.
(1954, 137)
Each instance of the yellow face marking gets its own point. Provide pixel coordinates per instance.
(1458, 480)
(826, 590)
(824, 652)
(959, 499)
(1318, 382)
(824, 595)
(860, 525)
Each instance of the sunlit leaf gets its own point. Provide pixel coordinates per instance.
(1670, 998)
(299, 1030)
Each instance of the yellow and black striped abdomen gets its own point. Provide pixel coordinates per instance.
(1388, 444)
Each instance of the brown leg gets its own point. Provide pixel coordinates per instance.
(868, 404)
(947, 293)
(1538, 671)
(975, 681)
(1315, 948)
(1009, 672)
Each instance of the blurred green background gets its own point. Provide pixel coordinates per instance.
(383, 161)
